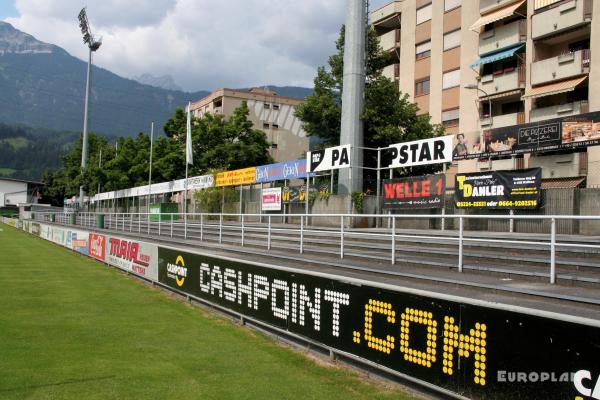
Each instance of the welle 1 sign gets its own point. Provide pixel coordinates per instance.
(471, 348)
(414, 192)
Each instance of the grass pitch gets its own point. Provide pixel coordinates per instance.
(71, 328)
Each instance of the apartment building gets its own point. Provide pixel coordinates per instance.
(269, 112)
(489, 69)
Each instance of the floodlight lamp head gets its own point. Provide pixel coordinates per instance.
(471, 86)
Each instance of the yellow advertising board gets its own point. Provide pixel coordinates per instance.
(244, 176)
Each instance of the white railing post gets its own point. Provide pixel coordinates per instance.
(553, 251)
(139, 223)
(460, 243)
(159, 222)
(342, 236)
(148, 217)
(220, 227)
(393, 240)
(242, 230)
(201, 227)
(269, 235)
(301, 234)
(171, 224)
(130, 222)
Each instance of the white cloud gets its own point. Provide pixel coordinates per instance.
(203, 44)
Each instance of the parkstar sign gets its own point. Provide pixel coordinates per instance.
(421, 152)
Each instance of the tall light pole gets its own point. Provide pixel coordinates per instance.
(353, 94)
(93, 45)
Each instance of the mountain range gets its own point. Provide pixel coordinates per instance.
(42, 85)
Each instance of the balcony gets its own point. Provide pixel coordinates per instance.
(505, 81)
(392, 71)
(563, 110)
(391, 40)
(503, 37)
(560, 67)
(500, 121)
(486, 6)
(562, 17)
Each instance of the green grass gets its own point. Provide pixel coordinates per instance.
(71, 328)
(7, 171)
(17, 143)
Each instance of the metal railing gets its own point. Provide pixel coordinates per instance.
(178, 225)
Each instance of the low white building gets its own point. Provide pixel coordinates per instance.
(16, 191)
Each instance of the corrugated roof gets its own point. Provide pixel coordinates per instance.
(562, 183)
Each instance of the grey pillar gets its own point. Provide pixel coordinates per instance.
(353, 94)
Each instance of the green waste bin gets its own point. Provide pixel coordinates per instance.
(52, 217)
(73, 219)
(164, 212)
(100, 221)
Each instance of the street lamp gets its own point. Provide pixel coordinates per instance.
(93, 45)
(473, 86)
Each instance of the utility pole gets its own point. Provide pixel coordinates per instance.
(93, 45)
(353, 94)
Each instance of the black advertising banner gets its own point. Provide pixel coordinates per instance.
(572, 132)
(414, 192)
(499, 189)
(476, 349)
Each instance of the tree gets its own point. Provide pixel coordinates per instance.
(388, 117)
(221, 143)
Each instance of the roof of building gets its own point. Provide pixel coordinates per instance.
(249, 94)
(20, 180)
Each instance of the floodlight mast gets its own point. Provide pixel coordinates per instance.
(93, 45)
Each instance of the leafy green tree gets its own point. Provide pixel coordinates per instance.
(220, 143)
(388, 117)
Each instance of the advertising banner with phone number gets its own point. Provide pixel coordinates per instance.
(499, 189)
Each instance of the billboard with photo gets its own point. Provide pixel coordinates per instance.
(567, 133)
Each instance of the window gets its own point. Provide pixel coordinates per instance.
(451, 79)
(450, 117)
(451, 5)
(423, 50)
(267, 106)
(424, 14)
(451, 39)
(265, 125)
(273, 145)
(422, 87)
(275, 126)
(275, 106)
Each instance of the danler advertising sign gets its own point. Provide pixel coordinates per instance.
(328, 159)
(414, 192)
(499, 189)
(565, 133)
(421, 152)
(454, 343)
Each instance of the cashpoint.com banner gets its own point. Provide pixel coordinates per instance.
(478, 351)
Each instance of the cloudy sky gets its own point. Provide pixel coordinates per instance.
(202, 44)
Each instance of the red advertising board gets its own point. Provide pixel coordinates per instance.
(97, 245)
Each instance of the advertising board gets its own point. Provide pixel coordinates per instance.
(338, 157)
(414, 192)
(281, 171)
(519, 189)
(476, 349)
(271, 199)
(566, 133)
